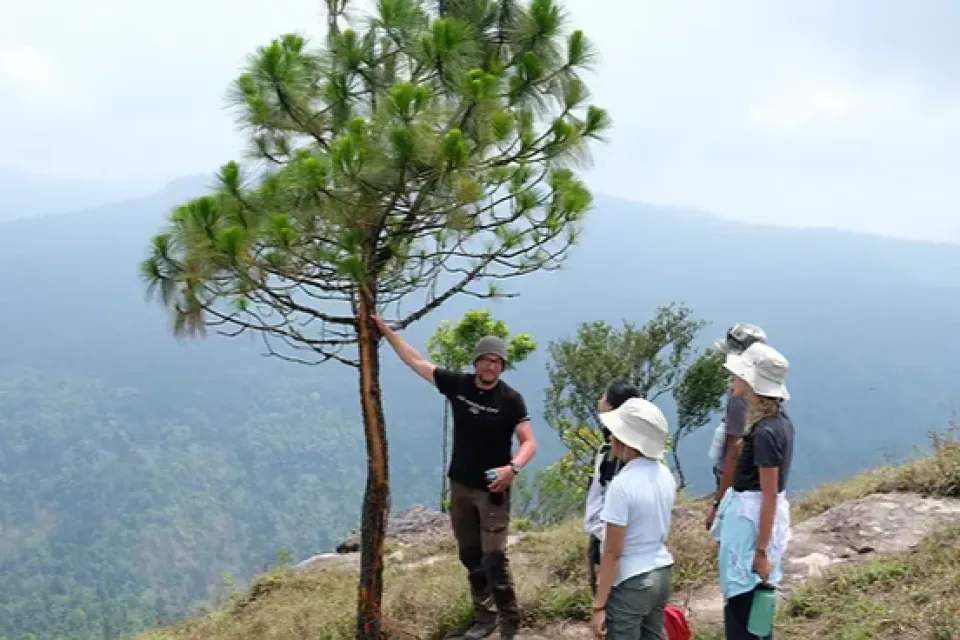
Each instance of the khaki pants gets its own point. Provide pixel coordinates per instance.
(635, 606)
(481, 523)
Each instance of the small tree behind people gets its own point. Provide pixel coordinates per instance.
(658, 357)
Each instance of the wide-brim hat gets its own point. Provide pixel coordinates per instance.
(763, 368)
(639, 424)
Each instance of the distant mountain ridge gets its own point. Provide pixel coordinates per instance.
(24, 195)
(873, 313)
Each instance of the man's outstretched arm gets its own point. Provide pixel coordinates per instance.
(407, 353)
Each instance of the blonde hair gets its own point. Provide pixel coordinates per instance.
(761, 408)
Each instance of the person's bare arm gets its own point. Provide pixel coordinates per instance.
(732, 449)
(525, 453)
(729, 465)
(410, 356)
(528, 444)
(769, 486)
(612, 551)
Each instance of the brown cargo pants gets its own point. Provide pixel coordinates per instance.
(481, 523)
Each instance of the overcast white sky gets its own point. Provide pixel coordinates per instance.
(813, 113)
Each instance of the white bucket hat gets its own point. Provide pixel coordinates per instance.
(763, 368)
(639, 424)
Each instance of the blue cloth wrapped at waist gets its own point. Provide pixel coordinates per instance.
(735, 528)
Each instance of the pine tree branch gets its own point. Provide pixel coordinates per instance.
(439, 300)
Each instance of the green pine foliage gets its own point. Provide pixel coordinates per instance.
(415, 154)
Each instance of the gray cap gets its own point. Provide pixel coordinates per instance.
(490, 345)
(739, 337)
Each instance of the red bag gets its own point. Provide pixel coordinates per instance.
(676, 623)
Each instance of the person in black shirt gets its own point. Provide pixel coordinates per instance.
(739, 338)
(487, 414)
(754, 516)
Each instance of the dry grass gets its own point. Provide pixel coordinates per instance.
(279, 606)
(425, 602)
(551, 573)
(424, 598)
(426, 594)
(938, 475)
(693, 548)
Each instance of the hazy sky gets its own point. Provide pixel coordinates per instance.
(819, 112)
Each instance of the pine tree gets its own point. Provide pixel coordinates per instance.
(411, 159)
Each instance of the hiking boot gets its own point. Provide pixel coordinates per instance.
(480, 629)
(509, 631)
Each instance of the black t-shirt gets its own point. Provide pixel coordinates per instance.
(769, 444)
(483, 424)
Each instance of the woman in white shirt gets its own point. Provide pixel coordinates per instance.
(634, 583)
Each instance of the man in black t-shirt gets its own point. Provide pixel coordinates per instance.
(487, 413)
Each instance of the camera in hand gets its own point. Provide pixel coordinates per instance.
(490, 475)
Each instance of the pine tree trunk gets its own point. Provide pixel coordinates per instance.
(376, 499)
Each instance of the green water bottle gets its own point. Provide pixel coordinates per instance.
(762, 610)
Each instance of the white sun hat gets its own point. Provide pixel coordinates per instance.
(639, 424)
(763, 368)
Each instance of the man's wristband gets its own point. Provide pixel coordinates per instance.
(514, 468)
(596, 608)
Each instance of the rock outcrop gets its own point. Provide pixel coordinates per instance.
(417, 525)
(878, 523)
